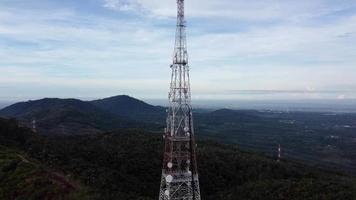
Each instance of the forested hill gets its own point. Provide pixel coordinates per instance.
(127, 165)
(73, 116)
(318, 139)
(23, 177)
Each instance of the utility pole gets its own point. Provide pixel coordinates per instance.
(179, 179)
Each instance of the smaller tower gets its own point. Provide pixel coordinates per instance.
(279, 153)
(34, 126)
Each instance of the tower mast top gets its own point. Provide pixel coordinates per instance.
(180, 49)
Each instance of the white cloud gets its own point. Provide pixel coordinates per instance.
(121, 5)
(318, 43)
(257, 10)
(62, 48)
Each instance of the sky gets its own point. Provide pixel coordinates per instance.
(238, 49)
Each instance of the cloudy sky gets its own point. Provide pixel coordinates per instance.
(260, 49)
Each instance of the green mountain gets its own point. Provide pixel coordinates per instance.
(66, 116)
(126, 165)
(318, 139)
(131, 108)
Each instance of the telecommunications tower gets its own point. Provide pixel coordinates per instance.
(179, 173)
(279, 153)
(34, 129)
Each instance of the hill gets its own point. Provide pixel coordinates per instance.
(318, 139)
(23, 177)
(65, 116)
(127, 107)
(127, 165)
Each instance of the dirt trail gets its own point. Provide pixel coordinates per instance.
(23, 158)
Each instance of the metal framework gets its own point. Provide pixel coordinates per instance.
(179, 172)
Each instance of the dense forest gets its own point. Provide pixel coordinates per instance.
(126, 164)
(318, 139)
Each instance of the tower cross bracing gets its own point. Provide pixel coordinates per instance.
(179, 180)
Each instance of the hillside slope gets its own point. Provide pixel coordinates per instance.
(22, 178)
(128, 166)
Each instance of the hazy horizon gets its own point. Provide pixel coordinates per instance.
(317, 105)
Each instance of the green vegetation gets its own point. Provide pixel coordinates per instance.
(324, 140)
(318, 139)
(22, 178)
(127, 165)
(69, 116)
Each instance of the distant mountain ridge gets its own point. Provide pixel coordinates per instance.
(73, 116)
(261, 131)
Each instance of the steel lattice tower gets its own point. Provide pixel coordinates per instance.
(179, 173)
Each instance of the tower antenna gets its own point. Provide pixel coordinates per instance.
(179, 179)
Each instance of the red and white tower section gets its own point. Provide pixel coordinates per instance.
(179, 172)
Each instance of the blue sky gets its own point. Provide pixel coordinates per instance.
(261, 49)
